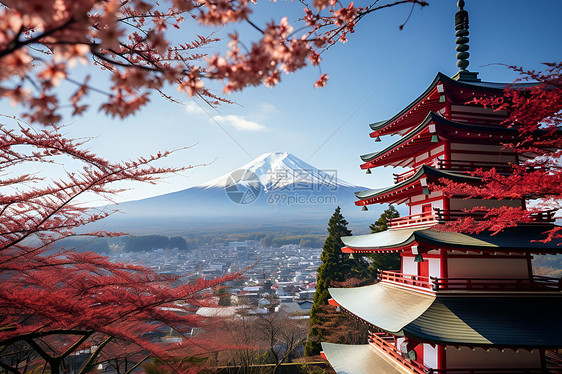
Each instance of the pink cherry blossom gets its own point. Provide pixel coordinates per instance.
(41, 41)
(321, 82)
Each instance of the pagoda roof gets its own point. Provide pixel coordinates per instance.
(388, 307)
(387, 240)
(523, 238)
(418, 140)
(430, 100)
(513, 321)
(397, 191)
(496, 321)
(359, 359)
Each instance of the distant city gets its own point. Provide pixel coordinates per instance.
(285, 274)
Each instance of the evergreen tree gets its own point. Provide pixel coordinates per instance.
(336, 267)
(386, 261)
(381, 224)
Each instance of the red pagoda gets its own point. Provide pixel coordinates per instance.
(460, 303)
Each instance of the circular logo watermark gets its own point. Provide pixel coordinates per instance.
(243, 187)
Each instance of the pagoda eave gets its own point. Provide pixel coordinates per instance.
(443, 89)
(416, 184)
(431, 133)
(477, 321)
(520, 240)
(360, 359)
(384, 250)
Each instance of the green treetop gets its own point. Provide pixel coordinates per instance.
(381, 224)
(336, 267)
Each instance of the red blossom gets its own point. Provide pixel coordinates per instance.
(42, 41)
(322, 81)
(72, 300)
(59, 303)
(536, 112)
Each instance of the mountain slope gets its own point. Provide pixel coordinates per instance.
(274, 190)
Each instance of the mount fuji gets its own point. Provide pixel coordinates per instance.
(275, 190)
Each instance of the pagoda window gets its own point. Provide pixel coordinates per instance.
(458, 204)
(420, 201)
(501, 268)
(434, 264)
(493, 358)
(409, 266)
(422, 157)
(430, 158)
(438, 151)
(476, 115)
(417, 199)
(481, 152)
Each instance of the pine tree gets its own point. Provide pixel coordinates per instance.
(386, 261)
(381, 224)
(335, 267)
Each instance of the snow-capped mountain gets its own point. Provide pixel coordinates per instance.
(274, 190)
(278, 171)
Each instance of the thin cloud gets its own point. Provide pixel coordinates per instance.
(240, 123)
(193, 108)
(268, 108)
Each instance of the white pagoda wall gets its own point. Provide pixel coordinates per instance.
(417, 201)
(479, 358)
(489, 267)
(430, 356)
(430, 157)
(434, 267)
(398, 342)
(409, 266)
(429, 353)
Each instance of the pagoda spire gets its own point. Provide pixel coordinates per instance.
(461, 32)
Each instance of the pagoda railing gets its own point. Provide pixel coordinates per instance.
(407, 279)
(535, 283)
(553, 361)
(460, 165)
(419, 219)
(382, 341)
(444, 215)
(403, 176)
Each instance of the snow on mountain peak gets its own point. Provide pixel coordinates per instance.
(278, 170)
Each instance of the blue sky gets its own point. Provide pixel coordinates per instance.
(378, 72)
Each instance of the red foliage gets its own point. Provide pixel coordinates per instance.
(56, 304)
(59, 303)
(536, 112)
